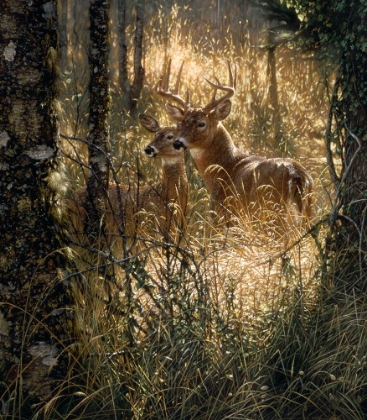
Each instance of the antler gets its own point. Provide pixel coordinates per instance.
(229, 89)
(164, 90)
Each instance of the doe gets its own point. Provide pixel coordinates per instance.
(129, 206)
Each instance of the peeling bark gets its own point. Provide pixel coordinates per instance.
(36, 316)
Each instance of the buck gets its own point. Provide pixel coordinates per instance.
(238, 182)
(129, 206)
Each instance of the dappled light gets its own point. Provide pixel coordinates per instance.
(205, 281)
(204, 291)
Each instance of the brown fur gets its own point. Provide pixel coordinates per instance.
(247, 182)
(160, 206)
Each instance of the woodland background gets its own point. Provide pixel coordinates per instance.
(220, 324)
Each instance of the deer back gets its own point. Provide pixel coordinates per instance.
(234, 178)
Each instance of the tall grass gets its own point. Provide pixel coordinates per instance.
(223, 323)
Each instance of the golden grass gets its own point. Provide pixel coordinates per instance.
(213, 325)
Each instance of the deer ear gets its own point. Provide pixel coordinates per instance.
(149, 123)
(176, 114)
(222, 110)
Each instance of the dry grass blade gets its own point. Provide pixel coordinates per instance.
(216, 321)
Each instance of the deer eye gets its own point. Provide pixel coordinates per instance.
(170, 137)
(201, 124)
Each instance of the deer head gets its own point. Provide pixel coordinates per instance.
(162, 145)
(199, 125)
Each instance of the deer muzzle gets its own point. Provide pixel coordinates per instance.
(178, 144)
(150, 151)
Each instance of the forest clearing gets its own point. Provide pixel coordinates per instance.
(149, 271)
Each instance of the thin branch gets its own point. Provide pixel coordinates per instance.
(329, 157)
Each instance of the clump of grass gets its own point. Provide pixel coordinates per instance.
(189, 329)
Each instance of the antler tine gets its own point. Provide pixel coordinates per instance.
(164, 91)
(178, 81)
(188, 97)
(235, 74)
(163, 81)
(167, 75)
(214, 93)
(230, 89)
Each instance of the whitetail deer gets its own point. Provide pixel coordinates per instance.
(129, 206)
(238, 181)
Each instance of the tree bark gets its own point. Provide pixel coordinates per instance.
(131, 91)
(280, 143)
(347, 244)
(100, 103)
(123, 56)
(36, 315)
(138, 57)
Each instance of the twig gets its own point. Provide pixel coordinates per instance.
(329, 157)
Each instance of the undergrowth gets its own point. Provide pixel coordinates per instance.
(223, 323)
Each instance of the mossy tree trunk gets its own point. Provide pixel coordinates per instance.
(347, 242)
(347, 245)
(36, 315)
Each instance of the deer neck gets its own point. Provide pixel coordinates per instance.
(219, 151)
(173, 176)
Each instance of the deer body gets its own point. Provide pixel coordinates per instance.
(237, 181)
(129, 206)
(254, 180)
(167, 199)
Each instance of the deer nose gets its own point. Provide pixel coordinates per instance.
(178, 145)
(150, 151)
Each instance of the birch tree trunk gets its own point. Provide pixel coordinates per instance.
(36, 315)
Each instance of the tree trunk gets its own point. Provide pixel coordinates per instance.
(139, 72)
(64, 33)
(347, 245)
(36, 316)
(123, 57)
(131, 92)
(99, 89)
(280, 143)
